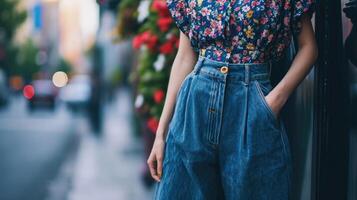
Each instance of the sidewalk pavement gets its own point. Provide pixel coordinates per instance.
(110, 168)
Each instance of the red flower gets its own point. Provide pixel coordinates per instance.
(152, 42)
(166, 48)
(137, 42)
(160, 7)
(174, 42)
(145, 35)
(174, 38)
(152, 124)
(159, 96)
(164, 23)
(145, 38)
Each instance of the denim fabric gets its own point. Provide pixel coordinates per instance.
(224, 141)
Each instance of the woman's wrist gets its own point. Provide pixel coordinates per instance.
(161, 133)
(280, 98)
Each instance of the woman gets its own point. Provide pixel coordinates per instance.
(220, 135)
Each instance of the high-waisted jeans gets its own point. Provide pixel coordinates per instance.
(224, 141)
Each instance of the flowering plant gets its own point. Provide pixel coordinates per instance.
(157, 43)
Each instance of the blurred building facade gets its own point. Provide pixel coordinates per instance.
(61, 29)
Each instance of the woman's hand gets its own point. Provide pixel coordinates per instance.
(275, 103)
(156, 158)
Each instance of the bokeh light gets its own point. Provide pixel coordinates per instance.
(16, 83)
(29, 91)
(60, 79)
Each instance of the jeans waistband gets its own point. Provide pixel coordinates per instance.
(241, 71)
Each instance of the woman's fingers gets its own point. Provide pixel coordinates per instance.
(152, 167)
(155, 159)
(159, 164)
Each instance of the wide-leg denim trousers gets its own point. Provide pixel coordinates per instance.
(224, 141)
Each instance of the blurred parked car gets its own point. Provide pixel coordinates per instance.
(44, 94)
(77, 93)
(4, 95)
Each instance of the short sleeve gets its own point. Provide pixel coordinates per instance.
(300, 7)
(179, 13)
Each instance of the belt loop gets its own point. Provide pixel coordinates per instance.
(247, 74)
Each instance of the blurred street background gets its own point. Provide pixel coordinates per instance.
(56, 155)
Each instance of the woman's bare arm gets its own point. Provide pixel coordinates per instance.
(181, 67)
(300, 67)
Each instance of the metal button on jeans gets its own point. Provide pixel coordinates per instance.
(224, 69)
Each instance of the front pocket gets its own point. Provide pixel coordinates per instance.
(262, 93)
(188, 76)
(181, 99)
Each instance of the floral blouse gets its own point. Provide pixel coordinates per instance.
(252, 31)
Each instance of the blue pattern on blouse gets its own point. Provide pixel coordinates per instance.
(257, 31)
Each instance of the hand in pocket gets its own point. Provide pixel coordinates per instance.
(274, 105)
